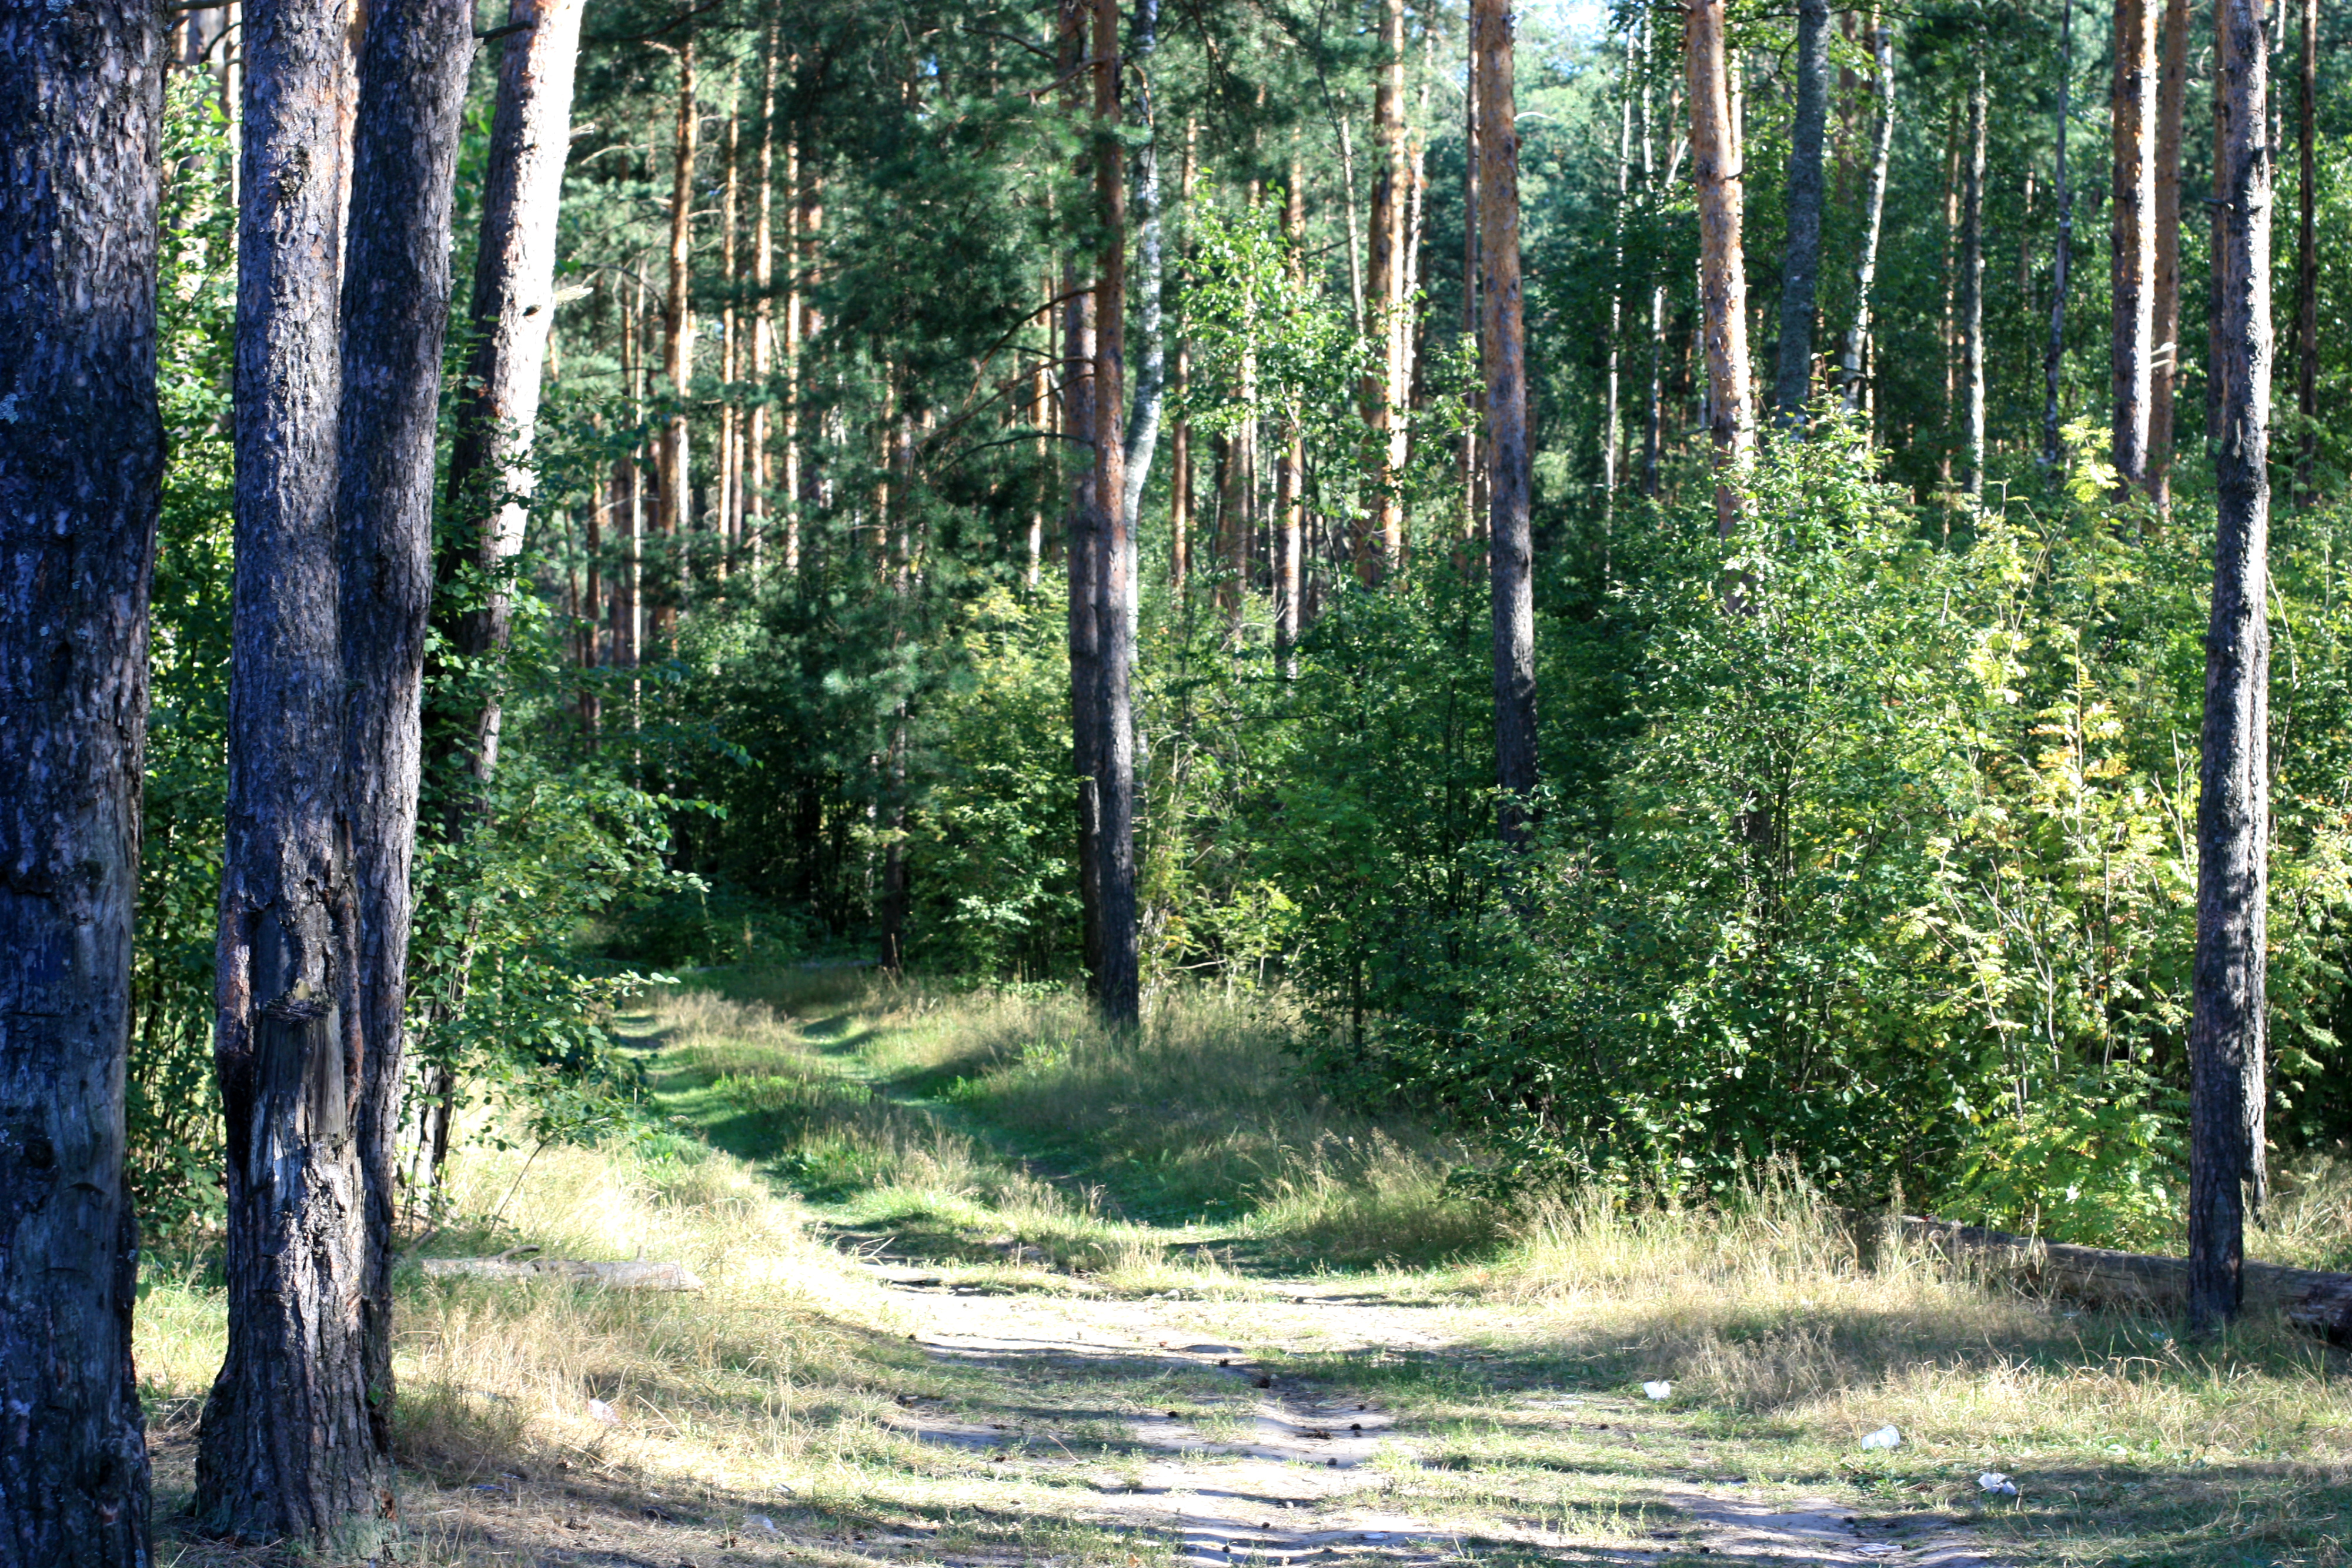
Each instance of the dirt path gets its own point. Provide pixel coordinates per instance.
(1307, 1474)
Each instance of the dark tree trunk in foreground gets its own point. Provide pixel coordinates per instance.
(292, 1444)
(1510, 549)
(513, 309)
(81, 457)
(1076, 368)
(2172, 91)
(2054, 361)
(1116, 981)
(1801, 267)
(2226, 1024)
(412, 90)
(1857, 340)
(1723, 281)
(2133, 278)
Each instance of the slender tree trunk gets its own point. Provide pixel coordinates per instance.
(1800, 268)
(1971, 301)
(763, 323)
(512, 310)
(2218, 268)
(1179, 444)
(1510, 549)
(2306, 257)
(1118, 989)
(1151, 375)
(1355, 227)
(81, 459)
(292, 1444)
(2133, 246)
(1857, 340)
(2226, 1029)
(1472, 524)
(1079, 409)
(1723, 283)
(1381, 543)
(2054, 361)
(2171, 100)
(1290, 494)
(395, 310)
(673, 517)
(1612, 418)
(731, 451)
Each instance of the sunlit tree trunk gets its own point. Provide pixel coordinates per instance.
(1857, 338)
(1381, 543)
(1289, 497)
(731, 451)
(674, 514)
(1117, 979)
(2054, 361)
(1151, 375)
(1179, 441)
(2226, 1029)
(1723, 283)
(81, 460)
(2306, 257)
(1510, 549)
(2132, 289)
(763, 321)
(1801, 264)
(1971, 290)
(1613, 417)
(2172, 91)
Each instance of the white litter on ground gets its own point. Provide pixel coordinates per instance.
(1884, 1437)
(1660, 1390)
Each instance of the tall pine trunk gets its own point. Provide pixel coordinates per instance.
(2226, 1028)
(2054, 360)
(513, 308)
(2306, 257)
(1801, 267)
(1289, 491)
(81, 459)
(1510, 549)
(1723, 282)
(2133, 246)
(1117, 979)
(1179, 441)
(1379, 545)
(2164, 331)
(1079, 409)
(1857, 338)
(1971, 289)
(395, 312)
(673, 517)
(763, 321)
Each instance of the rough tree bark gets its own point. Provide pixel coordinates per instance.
(1151, 375)
(2226, 1033)
(1971, 290)
(81, 458)
(1116, 981)
(2133, 245)
(2054, 360)
(1723, 282)
(513, 309)
(395, 311)
(1857, 338)
(292, 1444)
(1613, 416)
(673, 515)
(2171, 100)
(763, 286)
(1180, 440)
(1801, 264)
(1380, 546)
(1078, 407)
(1290, 464)
(1510, 551)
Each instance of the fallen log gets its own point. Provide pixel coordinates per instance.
(2316, 1302)
(520, 1264)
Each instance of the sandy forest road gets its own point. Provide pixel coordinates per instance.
(1309, 1472)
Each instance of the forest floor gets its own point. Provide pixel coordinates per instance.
(983, 1287)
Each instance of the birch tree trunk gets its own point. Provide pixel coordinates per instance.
(1116, 981)
(513, 308)
(2054, 361)
(1510, 551)
(2306, 257)
(2171, 100)
(1380, 544)
(293, 1444)
(2133, 246)
(1152, 376)
(2226, 1029)
(1723, 282)
(395, 311)
(1289, 493)
(1857, 339)
(81, 460)
(1180, 443)
(1801, 267)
